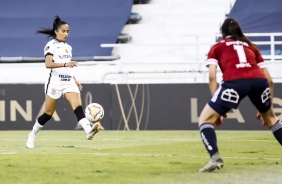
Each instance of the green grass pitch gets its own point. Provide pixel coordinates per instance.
(137, 157)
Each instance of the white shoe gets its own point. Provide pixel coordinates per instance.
(94, 129)
(212, 165)
(30, 140)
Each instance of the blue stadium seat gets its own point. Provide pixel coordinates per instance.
(92, 23)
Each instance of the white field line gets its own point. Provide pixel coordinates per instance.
(8, 153)
(163, 155)
(168, 155)
(149, 155)
(185, 140)
(141, 140)
(121, 140)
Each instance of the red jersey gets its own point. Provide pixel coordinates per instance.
(236, 59)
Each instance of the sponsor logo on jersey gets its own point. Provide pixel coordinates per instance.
(65, 77)
(64, 56)
(243, 65)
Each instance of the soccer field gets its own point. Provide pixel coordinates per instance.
(149, 157)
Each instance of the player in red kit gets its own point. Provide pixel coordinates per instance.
(244, 74)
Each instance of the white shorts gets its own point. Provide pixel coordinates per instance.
(55, 91)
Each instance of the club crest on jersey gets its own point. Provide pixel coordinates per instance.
(67, 51)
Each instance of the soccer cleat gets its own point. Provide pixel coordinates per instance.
(30, 140)
(95, 129)
(212, 165)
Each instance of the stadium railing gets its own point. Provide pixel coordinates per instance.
(270, 44)
(169, 63)
(42, 59)
(192, 66)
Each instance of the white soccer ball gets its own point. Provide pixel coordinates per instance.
(94, 112)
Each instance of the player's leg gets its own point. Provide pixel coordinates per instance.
(74, 100)
(50, 105)
(261, 98)
(227, 96)
(269, 117)
(208, 135)
(273, 123)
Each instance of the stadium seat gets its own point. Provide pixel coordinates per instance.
(123, 38)
(141, 1)
(134, 18)
(92, 23)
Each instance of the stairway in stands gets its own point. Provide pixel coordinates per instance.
(170, 42)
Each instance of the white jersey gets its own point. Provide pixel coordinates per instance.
(62, 53)
(60, 80)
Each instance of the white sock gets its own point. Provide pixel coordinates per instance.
(36, 127)
(85, 125)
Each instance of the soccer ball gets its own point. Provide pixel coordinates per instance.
(94, 112)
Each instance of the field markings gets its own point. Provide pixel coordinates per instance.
(8, 153)
(135, 140)
(166, 155)
(186, 140)
(144, 155)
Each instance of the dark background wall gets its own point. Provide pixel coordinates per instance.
(133, 107)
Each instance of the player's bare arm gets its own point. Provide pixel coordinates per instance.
(212, 78)
(50, 64)
(270, 82)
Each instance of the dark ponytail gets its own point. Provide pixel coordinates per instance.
(51, 31)
(231, 27)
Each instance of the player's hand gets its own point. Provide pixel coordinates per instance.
(218, 122)
(71, 64)
(258, 116)
(264, 124)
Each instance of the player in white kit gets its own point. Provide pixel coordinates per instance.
(61, 81)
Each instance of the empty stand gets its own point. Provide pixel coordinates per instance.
(265, 19)
(168, 44)
(91, 24)
(172, 35)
